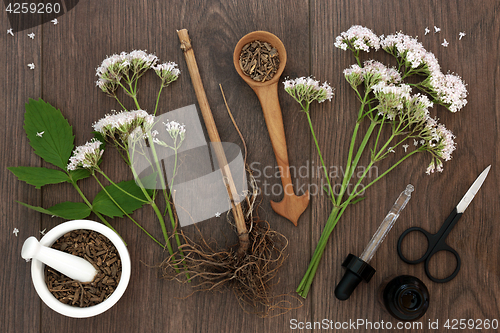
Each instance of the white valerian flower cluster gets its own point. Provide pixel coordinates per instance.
(372, 73)
(124, 65)
(418, 108)
(86, 156)
(439, 141)
(407, 112)
(449, 90)
(175, 130)
(177, 133)
(391, 98)
(357, 38)
(411, 51)
(118, 126)
(307, 89)
(167, 72)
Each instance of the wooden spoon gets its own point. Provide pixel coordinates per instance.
(292, 206)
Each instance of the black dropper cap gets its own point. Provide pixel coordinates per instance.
(356, 271)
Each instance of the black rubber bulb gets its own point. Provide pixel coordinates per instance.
(356, 271)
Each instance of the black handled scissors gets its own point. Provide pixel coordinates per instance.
(437, 241)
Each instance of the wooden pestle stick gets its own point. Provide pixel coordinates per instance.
(214, 136)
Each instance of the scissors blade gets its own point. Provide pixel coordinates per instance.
(466, 200)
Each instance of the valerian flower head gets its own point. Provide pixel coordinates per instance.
(138, 61)
(391, 98)
(439, 141)
(114, 68)
(107, 86)
(177, 133)
(371, 73)
(110, 73)
(168, 72)
(118, 126)
(110, 67)
(448, 90)
(86, 156)
(411, 51)
(357, 38)
(354, 75)
(417, 109)
(175, 130)
(307, 90)
(435, 165)
(375, 72)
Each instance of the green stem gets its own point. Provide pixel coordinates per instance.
(158, 98)
(334, 217)
(123, 107)
(126, 90)
(308, 278)
(92, 208)
(169, 207)
(387, 171)
(164, 229)
(123, 211)
(317, 253)
(134, 95)
(122, 190)
(378, 134)
(356, 159)
(175, 170)
(156, 210)
(320, 155)
(357, 59)
(348, 164)
(352, 166)
(306, 282)
(348, 172)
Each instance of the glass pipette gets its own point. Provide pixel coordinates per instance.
(357, 267)
(386, 224)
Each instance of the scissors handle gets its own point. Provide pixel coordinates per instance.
(430, 245)
(439, 248)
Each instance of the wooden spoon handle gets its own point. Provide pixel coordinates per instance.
(268, 97)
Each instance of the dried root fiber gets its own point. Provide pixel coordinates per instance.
(250, 273)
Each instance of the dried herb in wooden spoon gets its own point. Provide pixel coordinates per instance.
(259, 60)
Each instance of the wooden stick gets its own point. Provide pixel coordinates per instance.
(213, 134)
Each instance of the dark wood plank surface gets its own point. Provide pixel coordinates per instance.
(66, 56)
(435, 196)
(20, 303)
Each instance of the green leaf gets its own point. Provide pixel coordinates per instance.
(49, 132)
(104, 205)
(67, 210)
(39, 177)
(78, 174)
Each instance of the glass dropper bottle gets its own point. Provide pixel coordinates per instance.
(357, 267)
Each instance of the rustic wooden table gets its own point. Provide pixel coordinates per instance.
(65, 57)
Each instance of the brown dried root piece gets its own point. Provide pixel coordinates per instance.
(250, 275)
